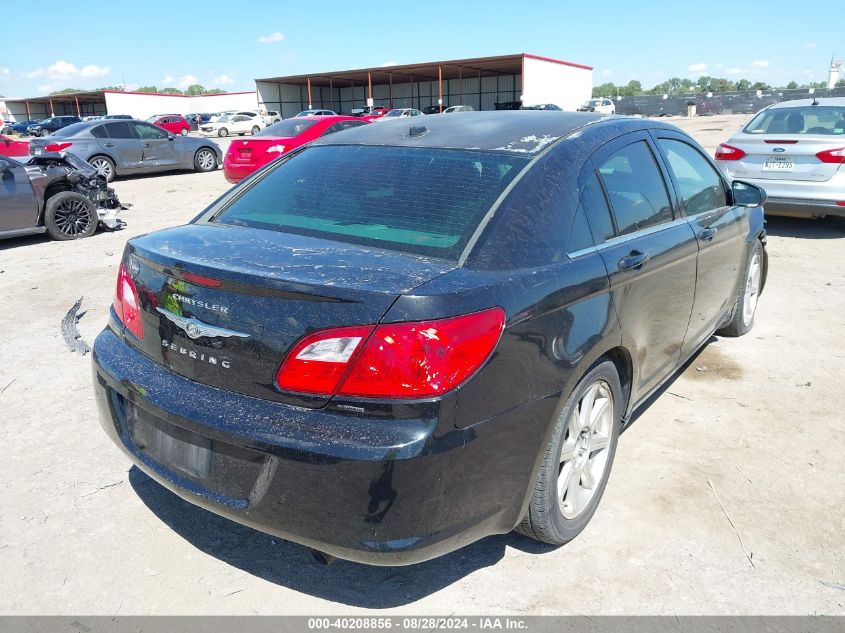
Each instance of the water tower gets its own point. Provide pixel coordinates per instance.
(833, 75)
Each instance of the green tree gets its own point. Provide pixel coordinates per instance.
(120, 88)
(215, 91)
(840, 83)
(66, 91)
(147, 89)
(195, 89)
(743, 85)
(171, 91)
(634, 87)
(760, 85)
(792, 85)
(604, 90)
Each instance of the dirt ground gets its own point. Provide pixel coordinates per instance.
(726, 497)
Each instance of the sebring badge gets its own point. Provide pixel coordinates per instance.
(195, 328)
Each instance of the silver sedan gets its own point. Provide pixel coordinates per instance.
(123, 147)
(795, 150)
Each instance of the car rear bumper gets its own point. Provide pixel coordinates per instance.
(800, 196)
(380, 491)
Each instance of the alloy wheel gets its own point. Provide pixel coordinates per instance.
(205, 159)
(752, 290)
(103, 167)
(583, 458)
(73, 217)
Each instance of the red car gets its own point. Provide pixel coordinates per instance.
(173, 123)
(11, 147)
(376, 113)
(245, 156)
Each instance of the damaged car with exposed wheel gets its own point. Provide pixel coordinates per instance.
(396, 340)
(56, 193)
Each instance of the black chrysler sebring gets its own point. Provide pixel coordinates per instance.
(402, 338)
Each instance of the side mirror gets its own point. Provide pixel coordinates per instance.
(747, 195)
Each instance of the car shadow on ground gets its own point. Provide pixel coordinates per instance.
(290, 565)
(828, 228)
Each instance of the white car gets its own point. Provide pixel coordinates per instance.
(600, 106)
(399, 113)
(234, 123)
(272, 117)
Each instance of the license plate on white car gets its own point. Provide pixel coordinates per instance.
(779, 163)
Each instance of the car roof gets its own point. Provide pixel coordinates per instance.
(798, 103)
(524, 132)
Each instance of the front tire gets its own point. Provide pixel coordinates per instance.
(70, 216)
(222, 132)
(578, 459)
(184, 131)
(205, 160)
(745, 308)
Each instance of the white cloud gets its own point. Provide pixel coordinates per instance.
(222, 79)
(271, 39)
(62, 71)
(810, 45)
(734, 71)
(389, 63)
(607, 72)
(760, 63)
(94, 71)
(187, 80)
(4, 71)
(168, 79)
(697, 68)
(45, 88)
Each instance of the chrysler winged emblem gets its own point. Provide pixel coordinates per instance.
(195, 328)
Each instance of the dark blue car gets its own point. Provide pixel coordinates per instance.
(404, 337)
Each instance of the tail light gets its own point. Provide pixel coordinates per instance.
(835, 156)
(56, 147)
(728, 152)
(126, 303)
(394, 360)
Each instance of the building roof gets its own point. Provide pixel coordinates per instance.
(451, 69)
(86, 96)
(525, 132)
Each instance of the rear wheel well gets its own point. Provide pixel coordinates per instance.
(620, 357)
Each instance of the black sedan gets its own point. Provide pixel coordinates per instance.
(386, 368)
(120, 147)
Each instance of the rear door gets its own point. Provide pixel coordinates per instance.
(18, 207)
(158, 148)
(650, 259)
(720, 228)
(122, 143)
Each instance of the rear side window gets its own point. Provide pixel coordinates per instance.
(580, 236)
(635, 188)
(120, 130)
(415, 200)
(701, 187)
(818, 119)
(598, 213)
(99, 132)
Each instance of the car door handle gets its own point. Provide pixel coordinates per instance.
(147, 145)
(707, 234)
(108, 144)
(634, 261)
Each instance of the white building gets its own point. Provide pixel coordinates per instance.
(485, 83)
(137, 104)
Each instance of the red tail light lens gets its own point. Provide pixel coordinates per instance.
(202, 280)
(126, 303)
(56, 147)
(835, 156)
(396, 360)
(728, 152)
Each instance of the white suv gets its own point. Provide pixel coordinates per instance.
(600, 106)
(246, 122)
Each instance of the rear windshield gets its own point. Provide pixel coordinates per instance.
(804, 120)
(70, 130)
(414, 200)
(288, 127)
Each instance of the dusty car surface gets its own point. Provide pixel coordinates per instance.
(796, 151)
(400, 339)
(56, 193)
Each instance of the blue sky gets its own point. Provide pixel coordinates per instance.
(221, 45)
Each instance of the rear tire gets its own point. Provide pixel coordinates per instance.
(255, 130)
(70, 216)
(578, 459)
(745, 308)
(105, 166)
(222, 132)
(184, 131)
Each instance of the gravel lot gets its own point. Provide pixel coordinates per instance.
(742, 453)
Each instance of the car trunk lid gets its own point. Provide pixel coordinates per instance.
(783, 157)
(222, 305)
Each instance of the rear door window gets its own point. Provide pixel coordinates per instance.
(701, 188)
(120, 130)
(635, 188)
(415, 200)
